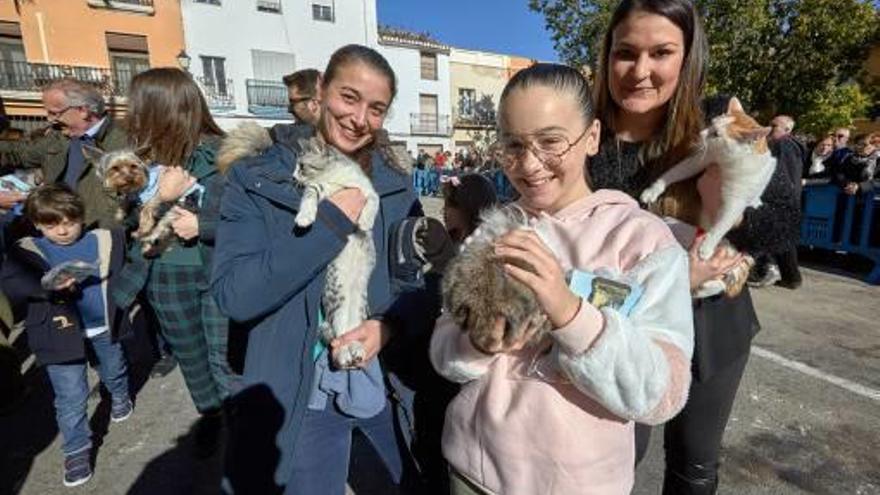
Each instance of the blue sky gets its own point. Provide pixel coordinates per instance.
(501, 26)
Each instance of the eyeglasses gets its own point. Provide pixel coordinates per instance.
(549, 149)
(296, 101)
(54, 114)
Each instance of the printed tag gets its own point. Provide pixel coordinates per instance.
(601, 291)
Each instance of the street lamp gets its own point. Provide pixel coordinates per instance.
(183, 60)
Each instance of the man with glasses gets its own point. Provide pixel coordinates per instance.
(78, 116)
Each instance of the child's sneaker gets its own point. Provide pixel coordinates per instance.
(78, 468)
(121, 410)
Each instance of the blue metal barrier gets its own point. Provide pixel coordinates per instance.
(840, 222)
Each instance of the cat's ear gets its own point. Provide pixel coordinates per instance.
(756, 134)
(734, 106)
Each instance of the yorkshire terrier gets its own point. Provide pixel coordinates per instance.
(135, 184)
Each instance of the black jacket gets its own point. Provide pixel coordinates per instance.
(52, 322)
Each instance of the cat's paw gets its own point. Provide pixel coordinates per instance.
(350, 356)
(652, 193)
(709, 288)
(707, 248)
(305, 218)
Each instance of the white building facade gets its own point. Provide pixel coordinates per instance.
(240, 49)
(419, 118)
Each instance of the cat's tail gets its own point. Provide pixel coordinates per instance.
(248, 139)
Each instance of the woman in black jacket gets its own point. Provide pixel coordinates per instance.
(647, 95)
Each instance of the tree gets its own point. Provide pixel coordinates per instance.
(778, 56)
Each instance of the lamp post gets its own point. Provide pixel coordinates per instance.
(183, 60)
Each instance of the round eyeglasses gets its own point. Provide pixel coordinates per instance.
(549, 148)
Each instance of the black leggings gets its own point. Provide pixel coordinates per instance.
(692, 439)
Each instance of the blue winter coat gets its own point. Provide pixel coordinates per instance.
(268, 278)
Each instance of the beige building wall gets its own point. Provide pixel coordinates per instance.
(484, 73)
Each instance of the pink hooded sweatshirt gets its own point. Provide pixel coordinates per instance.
(561, 421)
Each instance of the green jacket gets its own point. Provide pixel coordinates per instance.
(50, 154)
(134, 276)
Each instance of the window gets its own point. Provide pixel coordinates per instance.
(272, 66)
(271, 6)
(14, 73)
(467, 98)
(214, 74)
(321, 12)
(129, 56)
(212, 2)
(429, 65)
(428, 105)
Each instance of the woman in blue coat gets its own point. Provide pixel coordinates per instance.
(292, 422)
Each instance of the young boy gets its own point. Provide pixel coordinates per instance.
(70, 315)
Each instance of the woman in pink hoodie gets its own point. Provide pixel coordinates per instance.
(557, 418)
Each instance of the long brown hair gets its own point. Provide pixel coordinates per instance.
(684, 118)
(168, 115)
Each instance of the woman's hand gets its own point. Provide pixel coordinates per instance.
(173, 182)
(351, 201)
(529, 261)
(851, 188)
(372, 334)
(67, 283)
(701, 271)
(187, 224)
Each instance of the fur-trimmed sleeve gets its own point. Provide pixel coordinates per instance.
(453, 355)
(637, 366)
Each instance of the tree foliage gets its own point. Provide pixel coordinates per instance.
(778, 56)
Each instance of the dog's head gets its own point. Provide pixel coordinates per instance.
(122, 171)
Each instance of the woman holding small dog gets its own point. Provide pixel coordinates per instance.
(648, 95)
(169, 119)
(554, 414)
(295, 415)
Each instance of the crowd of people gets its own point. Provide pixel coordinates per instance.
(236, 298)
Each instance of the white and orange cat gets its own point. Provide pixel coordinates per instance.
(738, 144)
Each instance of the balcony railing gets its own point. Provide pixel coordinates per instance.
(218, 92)
(267, 99)
(143, 3)
(272, 6)
(430, 124)
(27, 76)
(474, 119)
(133, 6)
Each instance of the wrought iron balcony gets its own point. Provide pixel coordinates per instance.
(218, 92)
(32, 77)
(133, 6)
(430, 124)
(267, 99)
(474, 119)
(272, 6)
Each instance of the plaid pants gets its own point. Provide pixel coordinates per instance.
(195, 330)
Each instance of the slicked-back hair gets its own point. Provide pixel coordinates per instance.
(305, 81)
(684, 119)
(359, 53)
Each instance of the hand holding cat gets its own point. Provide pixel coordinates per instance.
(8, 199)
(372, 334)
(701, 271)
(351, 201)
(187, 224)
(529, 261)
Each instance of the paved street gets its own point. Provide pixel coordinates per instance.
(806, 420)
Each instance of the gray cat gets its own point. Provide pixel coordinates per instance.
(476, 290)
(322, 171)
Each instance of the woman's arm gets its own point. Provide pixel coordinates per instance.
(637, 366)
(257, 270)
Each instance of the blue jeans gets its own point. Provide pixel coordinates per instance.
(323, 450)
(71, 386)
